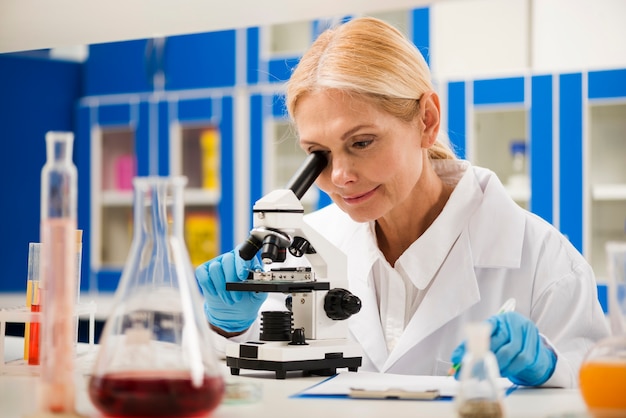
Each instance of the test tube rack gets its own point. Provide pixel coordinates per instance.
(24, 315)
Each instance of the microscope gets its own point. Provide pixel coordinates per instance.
(311, 335)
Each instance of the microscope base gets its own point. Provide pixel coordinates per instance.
(321, 358)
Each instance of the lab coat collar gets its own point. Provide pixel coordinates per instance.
(497, 229)
(426, 255)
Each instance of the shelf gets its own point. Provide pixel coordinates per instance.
(608, 192)
(195, 196)
(204, 197)
(115, 198)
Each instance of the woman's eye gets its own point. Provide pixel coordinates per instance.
(362, 144)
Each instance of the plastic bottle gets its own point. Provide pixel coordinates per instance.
(479, 394)
(518, 182)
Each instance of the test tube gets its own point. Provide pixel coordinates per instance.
(31, 338)
(79, 257)
(79, 261)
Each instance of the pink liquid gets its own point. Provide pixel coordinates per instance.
(155, 394)
(58, 297)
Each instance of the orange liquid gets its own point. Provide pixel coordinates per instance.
(33, 341)
(603, 384)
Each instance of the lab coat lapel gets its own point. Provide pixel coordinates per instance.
(367, 330)
(453, 290)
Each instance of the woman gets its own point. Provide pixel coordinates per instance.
(432, 242)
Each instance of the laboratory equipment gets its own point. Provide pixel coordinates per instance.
(58, 275)
(602, 374)
(518, 183)
(156, 356)
(312, 335)
(31, 346)
(479, 394)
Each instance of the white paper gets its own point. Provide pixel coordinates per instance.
(344, 381)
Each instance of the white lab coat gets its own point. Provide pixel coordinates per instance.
(481, 250)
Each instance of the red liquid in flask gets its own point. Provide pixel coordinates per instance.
(155, 394)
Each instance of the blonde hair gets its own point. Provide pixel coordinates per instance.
(368, 57)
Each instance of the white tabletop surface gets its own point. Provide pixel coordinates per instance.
(17, 394)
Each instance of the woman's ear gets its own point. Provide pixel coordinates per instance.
(430, 115)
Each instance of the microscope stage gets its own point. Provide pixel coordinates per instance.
(320, 357)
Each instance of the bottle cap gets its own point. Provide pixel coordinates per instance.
(518, 146)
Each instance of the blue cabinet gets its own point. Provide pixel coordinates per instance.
(575, 127)
(152, 131)
(118, 67)
(146, 105)
(202, 60)
(36, 96)
(194, 61)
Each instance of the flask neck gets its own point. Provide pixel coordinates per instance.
(478, 338)
(159, 210)
(59, 178)
(59, 147)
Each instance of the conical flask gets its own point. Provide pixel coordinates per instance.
(479, 394)
(156, 357)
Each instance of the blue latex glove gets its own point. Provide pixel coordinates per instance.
(522, 356)
(231, 311)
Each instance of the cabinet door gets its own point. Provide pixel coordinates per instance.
(107, 164)
(200, 60)
(119, 67)
(606, 173)
(275, 153)
(195, 153)
(200, 148)
(496, 123)
(36, 95)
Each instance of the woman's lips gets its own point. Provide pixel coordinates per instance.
(356, 199)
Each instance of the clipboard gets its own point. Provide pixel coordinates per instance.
(388, 386)
(426, 395)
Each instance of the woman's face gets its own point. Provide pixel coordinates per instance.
(374, 159)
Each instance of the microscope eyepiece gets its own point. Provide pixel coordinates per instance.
(304, 178)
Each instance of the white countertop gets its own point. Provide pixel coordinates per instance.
(17, 398)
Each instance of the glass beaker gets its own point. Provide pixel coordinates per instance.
(602, 374)
(156, 356)
(479, 394)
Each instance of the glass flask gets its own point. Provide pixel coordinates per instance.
(156, 357)
(602, 375)
(57, 285)
(479, 394)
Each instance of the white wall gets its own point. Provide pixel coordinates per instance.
(578, 34)
(479, 37)
(472, 38)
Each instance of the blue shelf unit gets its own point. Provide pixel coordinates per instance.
(556, 105)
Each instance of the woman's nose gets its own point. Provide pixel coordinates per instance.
(342, 171)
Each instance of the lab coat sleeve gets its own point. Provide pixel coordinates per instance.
(568, 313)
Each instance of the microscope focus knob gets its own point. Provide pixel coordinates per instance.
(300, 246)
(341, 304)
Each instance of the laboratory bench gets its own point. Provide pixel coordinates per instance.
(17, 392)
